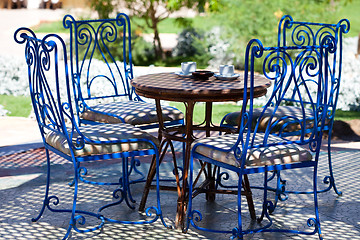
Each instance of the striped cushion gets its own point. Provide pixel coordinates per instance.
(279, 154)
(104, 132)
(133, 112)
(282, 111)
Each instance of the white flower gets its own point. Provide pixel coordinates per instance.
(3, 111)
(13, 76)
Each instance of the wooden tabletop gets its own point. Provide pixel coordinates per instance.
(171, 87)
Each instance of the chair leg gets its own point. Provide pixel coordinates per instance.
(332, 179)
(248, 193)
(317, 218)
(72, 221)
(279, 190)
(80, 214)
(190, 214)
(267, 205)
(126, 185)
(265, 198)
(123, 192)
(238, 232)
(133, 167)
(45, 201)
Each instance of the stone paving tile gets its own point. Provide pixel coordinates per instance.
(22, 201)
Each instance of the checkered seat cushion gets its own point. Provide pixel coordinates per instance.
(282, 111)
(133, 112)
(104, 132)
(218, 148)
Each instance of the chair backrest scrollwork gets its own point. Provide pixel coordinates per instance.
(101, 59)
(295, 33)
(287, 65)
(50, 85)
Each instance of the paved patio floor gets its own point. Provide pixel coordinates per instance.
(22, 185)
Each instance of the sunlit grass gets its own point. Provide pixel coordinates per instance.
(347, 115)
(350, 11)
(220, 110)
(18, 106)
(50, 27)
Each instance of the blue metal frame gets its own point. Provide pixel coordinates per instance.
(88, 37)
(104, 37)
(285, 65)
(53, 106)
(294, 33)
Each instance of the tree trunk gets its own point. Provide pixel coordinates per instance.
(159, 52)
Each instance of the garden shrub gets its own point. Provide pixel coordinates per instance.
(192, 46)
(242, 21)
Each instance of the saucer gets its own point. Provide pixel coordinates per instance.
(181, 74)
(233, 77)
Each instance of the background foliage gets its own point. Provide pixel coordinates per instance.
(228, 25)
(217, 37)
(248, 19)
(103, 7)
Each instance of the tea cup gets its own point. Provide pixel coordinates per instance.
(226, 70)
(188, 67)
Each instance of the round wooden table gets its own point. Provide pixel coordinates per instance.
(189, 90)
(171, 87)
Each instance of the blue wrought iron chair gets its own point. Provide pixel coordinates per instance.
(293, 33)
(258, 148)
(105, 94)
(50, 90)
(101, 69)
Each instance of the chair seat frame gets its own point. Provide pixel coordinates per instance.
(52, 102)
(282, 64)
(296, 33)
(104, 37)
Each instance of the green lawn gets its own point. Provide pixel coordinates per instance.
(220, 110)
(19, 106)
(351, 11)
(50, 27)
(346, 115)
